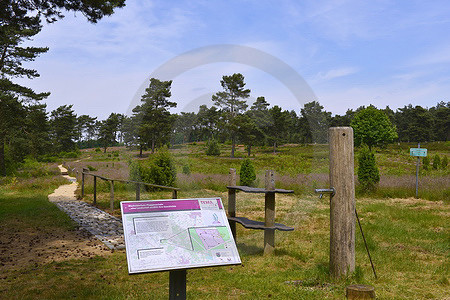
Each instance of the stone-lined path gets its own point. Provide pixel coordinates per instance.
(104, 226)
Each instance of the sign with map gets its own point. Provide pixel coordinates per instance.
(163, 235)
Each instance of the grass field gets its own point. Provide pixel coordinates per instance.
(408, 238)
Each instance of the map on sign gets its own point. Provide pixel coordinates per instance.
(165, 235)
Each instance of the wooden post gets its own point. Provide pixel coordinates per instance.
(177, 284)
(138, 191)
(82, 184)
(269, 234)
(95, 190)
(342, 204)
(232, 201)
(359, 291)
(174, 194)
(111, 196)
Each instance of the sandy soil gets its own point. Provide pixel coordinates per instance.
(34, 247)
(22, 246)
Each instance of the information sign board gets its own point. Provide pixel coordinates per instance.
(418, 152)
(163, 235)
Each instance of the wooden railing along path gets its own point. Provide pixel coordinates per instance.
(85, 172)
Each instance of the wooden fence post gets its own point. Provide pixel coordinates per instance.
(95, 190)
(342, 204)
(269, 234)
(232, 201)
(111, 196)
(82, 184)
(138, 191)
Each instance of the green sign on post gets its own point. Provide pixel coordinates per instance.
(418, 152)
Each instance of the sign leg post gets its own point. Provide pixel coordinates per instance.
(177, 285)
(417, 174)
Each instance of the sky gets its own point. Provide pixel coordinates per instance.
(341, 53)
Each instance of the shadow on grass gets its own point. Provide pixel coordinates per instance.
(249, 249)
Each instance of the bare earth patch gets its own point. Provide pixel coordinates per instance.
(26, 247)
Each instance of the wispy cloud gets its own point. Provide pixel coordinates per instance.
(438, 55)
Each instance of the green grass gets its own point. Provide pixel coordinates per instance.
(408, 238)
(408, 242)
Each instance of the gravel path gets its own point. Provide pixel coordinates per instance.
(105, 227)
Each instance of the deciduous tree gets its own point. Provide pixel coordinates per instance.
(372, 127)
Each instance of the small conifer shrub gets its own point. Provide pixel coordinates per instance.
(436, 162)
(212, 148)
(368, 174)
(247, 173)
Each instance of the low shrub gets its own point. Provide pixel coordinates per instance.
(436, 161)
(444, 163)
(212, 148)
(247, 173)
(32, 168)
(186, 169)
(368, 174)
(98, 150)
(91, 168)
(158, 169)
(426, 163)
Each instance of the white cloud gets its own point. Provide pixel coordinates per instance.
(336, 73)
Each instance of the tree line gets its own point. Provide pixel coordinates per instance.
(36, 133)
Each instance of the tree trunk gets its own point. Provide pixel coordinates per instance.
(104, 149)
(274, 147)
(153, 146)
(140, 150)
(2, 156)
(249, 149)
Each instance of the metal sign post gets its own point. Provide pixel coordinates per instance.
(419, 152)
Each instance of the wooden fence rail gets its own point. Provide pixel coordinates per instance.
(85, 172)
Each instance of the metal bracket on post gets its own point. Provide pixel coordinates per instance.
(330, 191)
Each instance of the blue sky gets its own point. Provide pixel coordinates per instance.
(349, 53)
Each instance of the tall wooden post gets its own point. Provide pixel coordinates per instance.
(95, 190)
(232, 201)
(342, 204)
(82, 184)
(269, 234)
(177, 284)
(111, 196)
(138, 191)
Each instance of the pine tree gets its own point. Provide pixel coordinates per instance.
(153, 116)
(63, 122)
(16, 27)
(232, 102)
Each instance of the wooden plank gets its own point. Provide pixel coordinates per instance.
(251, 224)
(248, 189)
(342, 204)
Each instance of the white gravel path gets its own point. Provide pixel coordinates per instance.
(104, 226)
